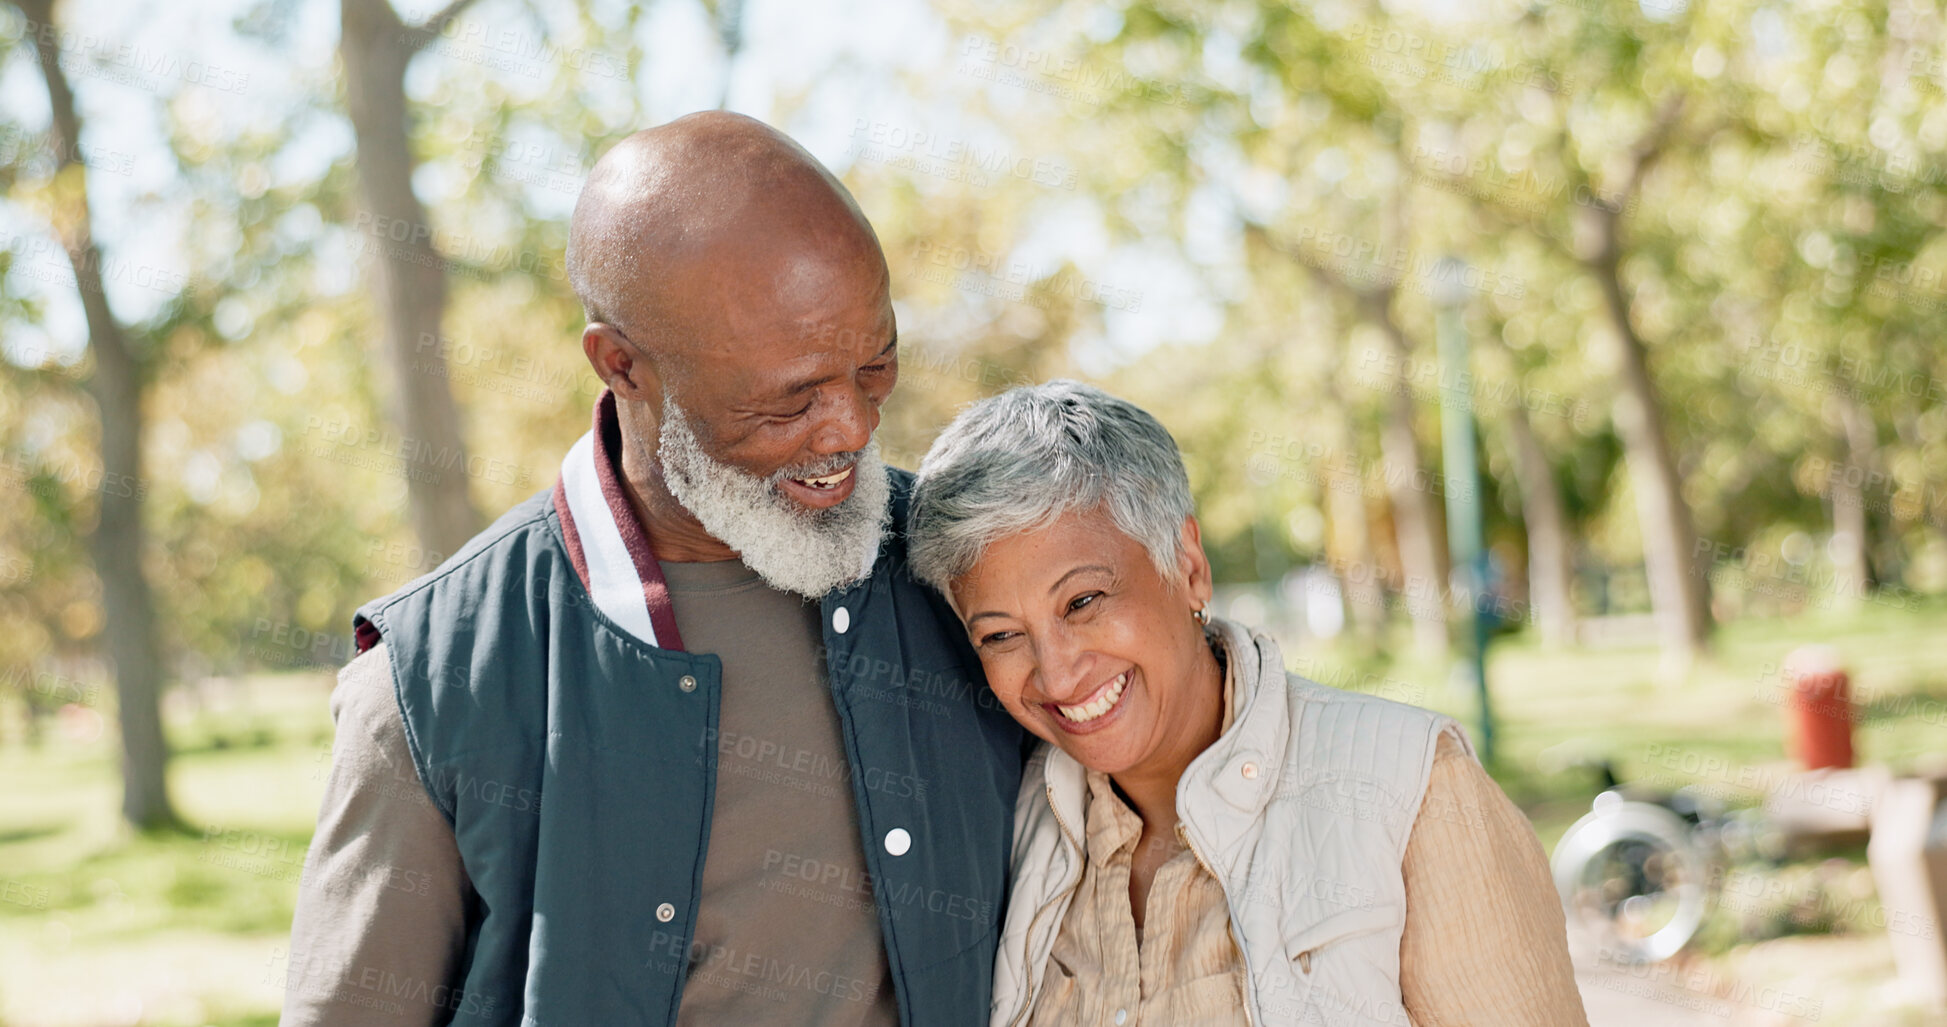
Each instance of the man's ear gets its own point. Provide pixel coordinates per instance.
(1192, 564)
(626, 370)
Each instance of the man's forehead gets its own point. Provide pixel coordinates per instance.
(789, 360)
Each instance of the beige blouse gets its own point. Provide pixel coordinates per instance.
(1484, 942)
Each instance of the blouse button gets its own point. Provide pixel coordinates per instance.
(1249, 770)
(665, 912)
(1120, 1016)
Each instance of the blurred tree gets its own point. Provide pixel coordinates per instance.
(376, 47)
(115, 384)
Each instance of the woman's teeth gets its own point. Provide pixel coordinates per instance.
(829, 481)
(1102, 703)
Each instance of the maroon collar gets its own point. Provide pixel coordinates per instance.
(598, 523)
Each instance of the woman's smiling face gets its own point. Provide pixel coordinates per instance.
(1087, 645)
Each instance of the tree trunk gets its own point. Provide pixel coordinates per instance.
(1679, 590)
(116, 543)
(1549, 554)
(376, 48)
(1851, 521)
(1349, 541)
(1416, 524)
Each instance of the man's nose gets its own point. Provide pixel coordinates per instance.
(849, 425)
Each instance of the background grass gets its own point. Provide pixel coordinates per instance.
(102, 926)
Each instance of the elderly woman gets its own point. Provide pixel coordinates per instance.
(1204, 838)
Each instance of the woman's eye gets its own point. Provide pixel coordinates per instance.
(1082, 600)
(996, 637)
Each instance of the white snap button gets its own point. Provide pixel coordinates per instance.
(898, 840)
(665, 912)
(841, 619)
(1249, 770)
(1120, 1016)
(687, 683)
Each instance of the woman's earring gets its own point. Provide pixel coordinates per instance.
(1203, 615)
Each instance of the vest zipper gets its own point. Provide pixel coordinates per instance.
(1027, 950)
(1235, 938)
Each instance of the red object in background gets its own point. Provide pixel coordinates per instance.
(1819, 710)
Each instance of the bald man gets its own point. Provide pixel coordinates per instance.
(679, 740)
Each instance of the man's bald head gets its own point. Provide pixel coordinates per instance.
(672, 212)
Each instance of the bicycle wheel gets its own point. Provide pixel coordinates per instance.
(1632, 870)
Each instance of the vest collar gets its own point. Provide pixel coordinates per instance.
(1243, 767)
(610, 550)
(608, 545)
(1260, 726)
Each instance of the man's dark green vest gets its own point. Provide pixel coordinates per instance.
(577, 766)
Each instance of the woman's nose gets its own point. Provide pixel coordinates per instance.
(1061, 673)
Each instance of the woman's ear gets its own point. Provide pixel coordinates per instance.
(1192, 564)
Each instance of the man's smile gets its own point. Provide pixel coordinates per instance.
(824, 491)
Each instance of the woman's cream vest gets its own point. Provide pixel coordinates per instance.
(1302, 811)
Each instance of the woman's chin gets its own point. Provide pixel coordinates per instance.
(1110, 750)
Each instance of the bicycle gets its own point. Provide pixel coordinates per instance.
(1643, 867)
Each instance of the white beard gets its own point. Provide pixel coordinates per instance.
(793, 548)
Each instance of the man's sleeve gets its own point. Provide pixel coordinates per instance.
(380, 930)
(1486, 943)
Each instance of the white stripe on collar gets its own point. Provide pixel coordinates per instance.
(612, 577)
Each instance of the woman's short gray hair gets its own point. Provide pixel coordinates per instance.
(1020, 460)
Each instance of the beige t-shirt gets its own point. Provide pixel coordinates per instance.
(787, 929)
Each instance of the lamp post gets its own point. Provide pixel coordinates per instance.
(1459, 466)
